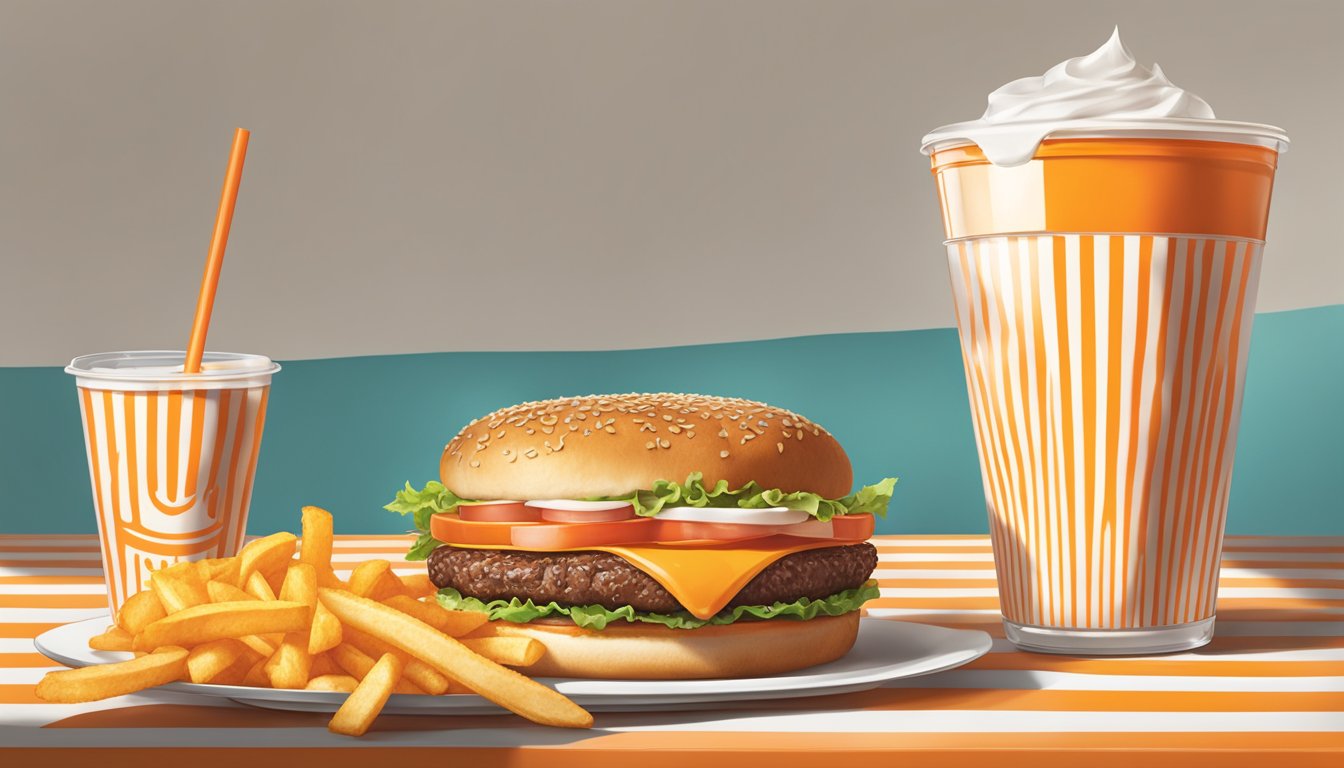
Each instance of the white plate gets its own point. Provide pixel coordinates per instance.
(885, 650)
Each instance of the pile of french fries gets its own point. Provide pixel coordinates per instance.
(268, 619)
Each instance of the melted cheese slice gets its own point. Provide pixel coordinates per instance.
(703, 578)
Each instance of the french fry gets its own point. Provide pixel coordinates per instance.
(414, 670)
(367, 700)
(139, 610)
(179, 587)
(225, 569)
(326, 631)
(268, 556)
(366, 576)
(451, 623)
(223, 592)
(323, 665)
(300, 585)
(357, 664)
(512, 651)
(227, 593)
(236, 672)
(206, 661)
(501, 685)
(339, 683)
(258, 587)
(256, 675)
(388, 585)
(291, 664)
(315, 546)
(216, 621)
(418, 585)
(114, 639)
(258, 645)
(72, 686)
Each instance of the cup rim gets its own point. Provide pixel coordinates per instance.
(83, 366)
(959, 134)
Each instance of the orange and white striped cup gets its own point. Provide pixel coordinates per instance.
(1104, 294)
(171, 456)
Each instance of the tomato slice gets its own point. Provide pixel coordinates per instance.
(547, 537)
(499, 512)
(566, 511)
(452, 529)
(684, 530)
(858, 527)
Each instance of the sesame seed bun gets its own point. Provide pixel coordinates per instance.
(610, 445)
(651, 652)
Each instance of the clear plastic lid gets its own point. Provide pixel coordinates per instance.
(162, 369)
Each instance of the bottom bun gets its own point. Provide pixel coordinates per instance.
(654, 652)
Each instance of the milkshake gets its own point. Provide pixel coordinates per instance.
(1104, 234)
(171, 457)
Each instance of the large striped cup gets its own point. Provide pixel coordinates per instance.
(171, 456)
(1104, 293)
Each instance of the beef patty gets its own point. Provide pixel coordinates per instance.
(600, 578)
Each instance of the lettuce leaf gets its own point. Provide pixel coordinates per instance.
(870, 499)
(693, 493)
(421, 505)
(598, 617)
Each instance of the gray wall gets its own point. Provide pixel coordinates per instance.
(547, 175)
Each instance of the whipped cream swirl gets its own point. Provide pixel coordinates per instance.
(1105, 83)
(1106, 89)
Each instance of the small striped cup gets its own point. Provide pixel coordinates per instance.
(1104, 294)
(171, 456)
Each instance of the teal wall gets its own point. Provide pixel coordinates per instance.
(345, 433)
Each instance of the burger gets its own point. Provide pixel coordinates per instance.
(652, 536)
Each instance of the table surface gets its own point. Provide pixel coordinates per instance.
(1270, 686)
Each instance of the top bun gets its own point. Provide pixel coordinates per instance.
(611, 445)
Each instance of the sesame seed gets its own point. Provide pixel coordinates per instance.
(689, 434)
(609, 430)
(761, 423)
(587, 432)
(548, 430)
(723, 433)
(531, 453)
(573, 428)
(674, 429)
(723, 454)
(531, 431)
(780, 446)
(664, 443)
(649, 445)
(475, 463)
(666, 417)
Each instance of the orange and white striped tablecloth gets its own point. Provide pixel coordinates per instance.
(1269, 688)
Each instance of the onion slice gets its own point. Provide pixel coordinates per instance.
(572, 511)
(734, 515)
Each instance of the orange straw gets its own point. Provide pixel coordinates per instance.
(205, 303)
